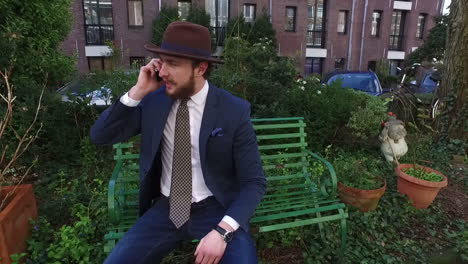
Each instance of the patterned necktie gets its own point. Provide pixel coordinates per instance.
(180, 197)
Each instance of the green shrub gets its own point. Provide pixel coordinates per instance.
(252, 32)
(254, 72)
(169, 14)
(366, 121)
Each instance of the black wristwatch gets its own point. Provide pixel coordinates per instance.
(227, 235)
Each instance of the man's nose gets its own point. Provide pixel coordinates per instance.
(163, 71)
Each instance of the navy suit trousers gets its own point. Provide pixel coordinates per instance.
(154, 235)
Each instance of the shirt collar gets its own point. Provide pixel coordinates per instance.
(200, 97)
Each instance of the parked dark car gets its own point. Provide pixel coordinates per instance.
(367, 82)
(427, 83)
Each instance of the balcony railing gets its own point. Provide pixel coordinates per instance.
(396, 42)
(316, 38)
(218, 35)
(99, 34)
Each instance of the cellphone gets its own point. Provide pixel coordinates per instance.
(158, 78)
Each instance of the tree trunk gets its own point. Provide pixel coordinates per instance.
(454, 90)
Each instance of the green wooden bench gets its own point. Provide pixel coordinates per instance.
(301, 186)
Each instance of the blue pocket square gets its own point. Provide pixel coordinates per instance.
(217, 132)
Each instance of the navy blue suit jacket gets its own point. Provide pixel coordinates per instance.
(229, 155)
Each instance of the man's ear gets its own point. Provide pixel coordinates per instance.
(201, 69)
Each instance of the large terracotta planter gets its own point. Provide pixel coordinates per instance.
(14, 220)
(420, 192)
(364, 200)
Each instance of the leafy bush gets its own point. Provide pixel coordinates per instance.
(254, 32)
(383, 72)
(365, 121)
(359, 171)
(254, 72)
(169, 14)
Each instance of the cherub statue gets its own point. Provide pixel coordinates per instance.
(393, 138)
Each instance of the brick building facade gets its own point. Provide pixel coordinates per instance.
(322, 35)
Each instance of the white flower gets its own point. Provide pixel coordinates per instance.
(304, 82)
(302, 88)
(319, 92)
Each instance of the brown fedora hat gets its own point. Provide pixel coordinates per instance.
(185, 39)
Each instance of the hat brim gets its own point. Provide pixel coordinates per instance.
(158, 50)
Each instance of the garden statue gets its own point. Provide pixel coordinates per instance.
(393, 138)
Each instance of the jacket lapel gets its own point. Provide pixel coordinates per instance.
(208, 120)
(161, 113)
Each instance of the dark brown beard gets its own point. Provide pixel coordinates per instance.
(184, 91)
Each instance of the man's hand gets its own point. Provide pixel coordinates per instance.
(211, 248)
(147, 82)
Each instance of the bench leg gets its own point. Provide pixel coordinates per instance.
(344, 236)
(319, 215)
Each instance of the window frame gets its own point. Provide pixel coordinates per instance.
(396, 40)
(102, 60)
(294, 8)
(320, 60)
(100, 27)
(311, 33)
(254, 11)
(420, 27)
(379, 23)
(142, 15)
(345, 26)
(178, 7)
(137, 58)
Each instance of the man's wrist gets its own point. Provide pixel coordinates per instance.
(227, 235)
(226, 226)
(134, 94)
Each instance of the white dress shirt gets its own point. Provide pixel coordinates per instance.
(196, 106)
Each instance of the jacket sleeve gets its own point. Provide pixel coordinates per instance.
(249, 172)
(116, 124)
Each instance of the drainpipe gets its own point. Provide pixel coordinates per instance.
(159, 5)
(271, 13)
(441, 7)
(350, 42)
(363, 33)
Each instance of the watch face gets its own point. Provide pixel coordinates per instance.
(228, 236)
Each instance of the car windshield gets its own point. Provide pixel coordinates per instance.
(363, 82)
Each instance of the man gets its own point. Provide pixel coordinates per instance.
(200, 171)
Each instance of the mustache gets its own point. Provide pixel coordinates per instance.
(170, 82)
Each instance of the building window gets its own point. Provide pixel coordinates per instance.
(393, 64)
(137, 62)
(340, 64)
(397, 30)
(135, 13)
(96, 64)
(313, 65)
(290, 18)
(184, 8)
(342, 21)
(249, 12)
(372, 66)
(375, 25)
(421, 24)
(99, 27)
(219, 17)
(316, 23)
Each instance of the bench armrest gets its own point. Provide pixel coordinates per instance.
(329, 185)
(112, 206)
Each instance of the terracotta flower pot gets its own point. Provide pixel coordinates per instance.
(14, 220)
(364, 200)
(420, 192)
